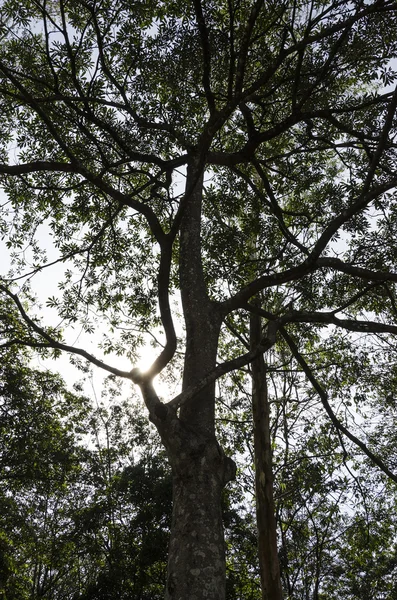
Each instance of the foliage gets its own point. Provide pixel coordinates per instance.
(189, 158)
(80, 518)
(336, 518)
(85, 499)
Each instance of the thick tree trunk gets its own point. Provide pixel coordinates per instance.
(196, 563)
(265, 511)
(196, 560)
(202, 317)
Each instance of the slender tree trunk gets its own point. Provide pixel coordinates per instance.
(196, 562)
(265, 510)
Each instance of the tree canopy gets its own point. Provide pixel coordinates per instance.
(214, 161)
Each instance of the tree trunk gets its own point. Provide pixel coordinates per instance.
(265, 512)
(196, 562)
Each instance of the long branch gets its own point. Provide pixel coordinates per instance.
(329, 318)
(240, 298)
(94, 179)
(324, 400)
(360, 272)
(56, 344)
(163, 281)
(206, 50)
(268, 340)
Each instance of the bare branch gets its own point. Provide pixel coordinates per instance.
(94, 179)
(241, 297)
(305, 268)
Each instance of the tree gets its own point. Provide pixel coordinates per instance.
(265, 508)
(85, 493)
(272, 109)
(40, 424)
(336, 519)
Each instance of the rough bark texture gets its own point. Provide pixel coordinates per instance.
(266, 522)
(202, 317)
(196, 563)
(196, 568)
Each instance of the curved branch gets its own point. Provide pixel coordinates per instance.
(127, 106)
(275, 207)
(69, 255)
(239, 299)
(324, 400)
(242, 55)
(163, 280)
(95, 180)
(324, 318)
(55, 344)
(37, 166)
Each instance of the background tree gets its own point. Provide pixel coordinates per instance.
(85, 495)
(272, 109)
(334, 539)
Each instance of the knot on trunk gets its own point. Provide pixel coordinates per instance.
(230, 470)
(200, 456)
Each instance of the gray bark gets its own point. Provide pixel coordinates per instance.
(196, 563)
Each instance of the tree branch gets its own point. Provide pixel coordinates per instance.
(242, 55)
(53, 343)
(239, 299)
(367, 194)
(329, 318)
(163, 280)
(361, 272)
(268, 340)
(324, 400)
(205, 45)
(94, 179)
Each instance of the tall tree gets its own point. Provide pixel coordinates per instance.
(265, 506)
(275, 109)
(40, 425)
